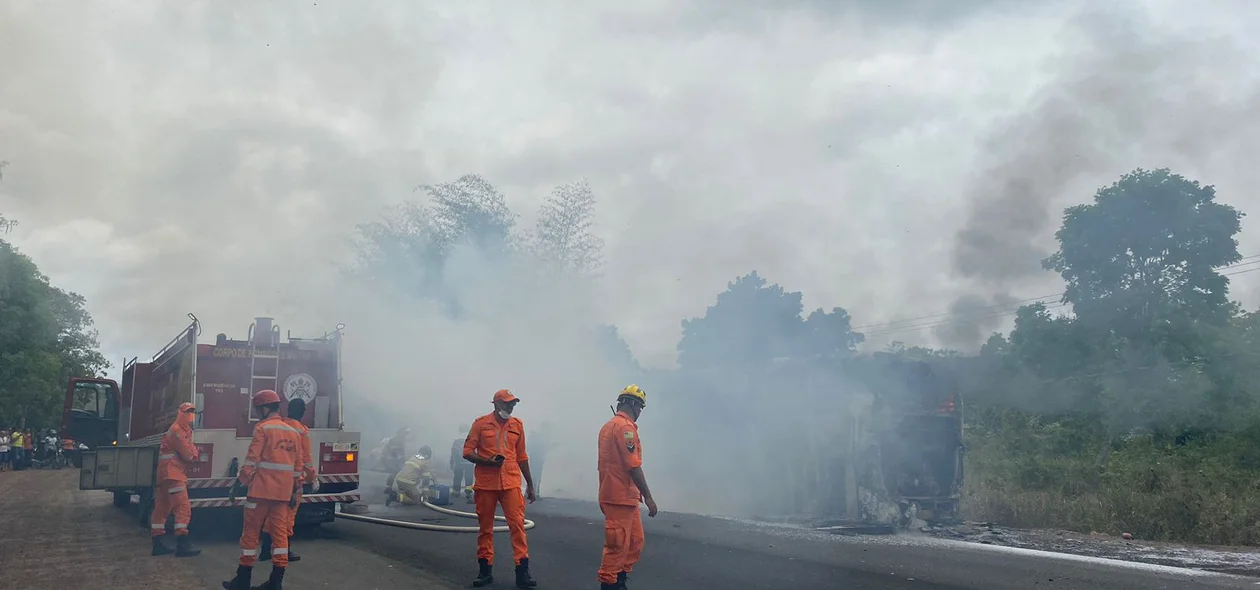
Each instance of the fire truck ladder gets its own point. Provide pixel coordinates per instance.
(270, 359)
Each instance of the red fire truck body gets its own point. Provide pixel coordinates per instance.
(220, 378)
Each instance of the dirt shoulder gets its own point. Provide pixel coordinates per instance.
(54, 536)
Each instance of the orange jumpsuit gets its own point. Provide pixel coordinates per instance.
(500, 485)
(619, 497)
(307, 474)
(272, 470)
(174, 455)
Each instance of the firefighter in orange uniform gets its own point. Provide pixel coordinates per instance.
(297, 409)
(176, 452)
(621, 487)
(270, 473)
(496, 445)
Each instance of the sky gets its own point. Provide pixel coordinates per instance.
(899, 159)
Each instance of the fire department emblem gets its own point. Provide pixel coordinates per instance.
(300, 386)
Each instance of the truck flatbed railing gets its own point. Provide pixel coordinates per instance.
(195, 325)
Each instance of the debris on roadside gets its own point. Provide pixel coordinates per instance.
(1233, 560)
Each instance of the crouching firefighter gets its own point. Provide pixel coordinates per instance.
(267, 475)
(413, 481)
(175, 453)
(308, 477)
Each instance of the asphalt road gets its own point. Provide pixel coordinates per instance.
(686, 552)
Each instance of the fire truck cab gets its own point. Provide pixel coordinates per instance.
(122, 426)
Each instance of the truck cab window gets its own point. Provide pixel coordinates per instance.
(97, 400)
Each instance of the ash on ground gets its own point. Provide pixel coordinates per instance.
(1232, 560)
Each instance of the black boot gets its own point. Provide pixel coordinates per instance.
(485, 574)
(621, 580)
(184, 547)
(241, 581)
(264, 549)
(293, 556)
(275, 582)
(160, 548)
(523, 579)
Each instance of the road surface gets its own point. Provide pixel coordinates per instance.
(101, 548)
(693, 552)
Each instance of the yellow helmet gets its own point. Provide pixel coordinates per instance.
(634, 392)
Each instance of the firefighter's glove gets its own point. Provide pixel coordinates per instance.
(315, 486)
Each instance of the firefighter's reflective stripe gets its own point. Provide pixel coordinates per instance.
(250, 552)
(250, 505)
(248, 464)
(280, 551)
(177, 490)
(180, 526)
(158, 527)
(274, 466)
(280, 427)
(166, 457)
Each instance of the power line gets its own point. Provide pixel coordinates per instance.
(1051, 301)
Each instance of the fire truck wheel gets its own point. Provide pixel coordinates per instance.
(122, 499)
(145, 509)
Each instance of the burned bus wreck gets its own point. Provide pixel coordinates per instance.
(874, 440)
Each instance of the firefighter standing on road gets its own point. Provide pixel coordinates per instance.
(271, 473)
(174, 455)
(297, 409)
(496, 445)
(621, 487)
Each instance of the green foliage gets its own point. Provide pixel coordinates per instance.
(1135, 412)
(1146, 249)
(754, 322)
(464, 238)
(46, 337)
(564, 235)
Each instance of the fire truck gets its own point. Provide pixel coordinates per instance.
(122, 427)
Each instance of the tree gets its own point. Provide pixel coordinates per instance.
(616, 351)
(471, 210)
(563, 235)
(1148, 247)
(46, 336)
(830, 333)
(410, 248)
(754, 322)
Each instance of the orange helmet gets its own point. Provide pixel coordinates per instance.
(265, 397)
(504, 395)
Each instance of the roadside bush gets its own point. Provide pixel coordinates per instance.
(1032, 472)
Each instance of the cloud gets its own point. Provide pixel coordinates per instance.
(222, 150)
(1126, 91)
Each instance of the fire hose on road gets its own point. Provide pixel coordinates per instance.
(424, 526)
